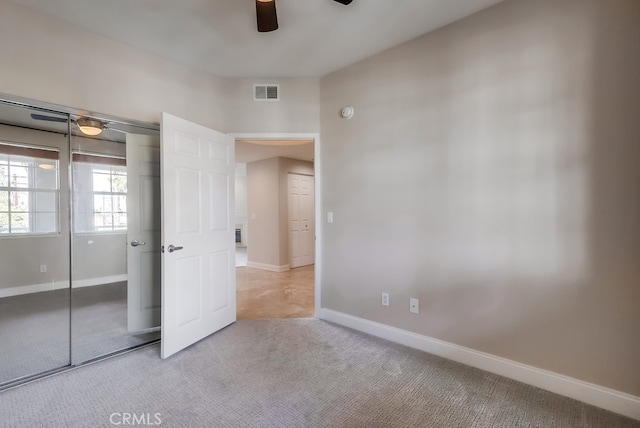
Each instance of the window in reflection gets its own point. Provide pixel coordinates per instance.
(101, 193)
(29, 190)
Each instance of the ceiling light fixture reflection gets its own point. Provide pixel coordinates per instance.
(47, 166)
(89, 126)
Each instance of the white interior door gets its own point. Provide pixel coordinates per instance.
(143, 233)
(198, 233)
(301, 220)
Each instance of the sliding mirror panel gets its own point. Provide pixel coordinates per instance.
(34, 242)
(115, 251)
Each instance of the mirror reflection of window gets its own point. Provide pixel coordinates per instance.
(29, 190)
(101, 193)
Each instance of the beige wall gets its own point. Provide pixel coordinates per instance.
(297, 111)
(267, 204)
(491, 170)
(263, 210)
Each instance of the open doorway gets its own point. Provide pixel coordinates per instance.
(275, 226)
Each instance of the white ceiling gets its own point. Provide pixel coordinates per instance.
(315, 37)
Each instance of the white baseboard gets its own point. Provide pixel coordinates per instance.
(272, 268)
(605, 398)
(58, 285)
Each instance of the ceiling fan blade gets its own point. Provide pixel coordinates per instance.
(266, 16)
(130, 129)
(113, 127)
(48, 118)
(345, 2)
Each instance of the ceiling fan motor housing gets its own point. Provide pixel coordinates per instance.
(267, 18)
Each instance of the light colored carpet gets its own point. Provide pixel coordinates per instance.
(291, 373)
(34, 329)
(34, 333)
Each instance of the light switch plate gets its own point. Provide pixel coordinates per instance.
(330, 217)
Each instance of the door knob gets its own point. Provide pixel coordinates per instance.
(136, 243)
(171, 248)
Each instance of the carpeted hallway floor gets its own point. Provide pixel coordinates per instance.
(290, 373)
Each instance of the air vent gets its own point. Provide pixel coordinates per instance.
(266, 92)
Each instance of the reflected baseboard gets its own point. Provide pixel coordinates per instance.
(146, 331)
(90, 282)
(59, 285)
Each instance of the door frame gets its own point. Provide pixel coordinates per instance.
(317, 171)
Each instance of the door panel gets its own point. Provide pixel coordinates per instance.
(219, 296)
(143, 218)
(198, 281)
(188, 307)
(219, 185)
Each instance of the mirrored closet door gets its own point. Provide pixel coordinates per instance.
(79, 239)
(116, 245)
(34, 242)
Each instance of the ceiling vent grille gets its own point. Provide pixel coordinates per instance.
(266, 92)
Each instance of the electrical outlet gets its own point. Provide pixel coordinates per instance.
(385, 299)
(414, 305)
(43, 268)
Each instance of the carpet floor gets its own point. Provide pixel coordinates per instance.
(35, 329)
(290, 373)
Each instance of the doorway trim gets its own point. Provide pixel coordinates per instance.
(315, 136)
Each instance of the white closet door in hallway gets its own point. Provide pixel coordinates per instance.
(301, 220)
